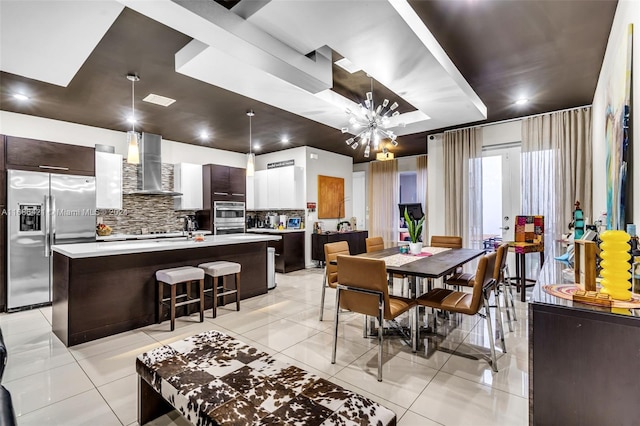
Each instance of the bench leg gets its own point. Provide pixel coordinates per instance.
(150, 404)
(238, 291)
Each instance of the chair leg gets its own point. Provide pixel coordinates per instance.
(335, 326)
(173, 306)
(494, 363)
(499, 313)
(508, 281)
(160, 296)
(416, 329)
(238, 291)
(365, 327)
(324, 288)
(201, 292)
(224, 289)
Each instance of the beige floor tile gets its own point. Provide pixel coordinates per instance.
(121, 395)
(47, 311)
(412, 419)
(281, 334)
(245, 320)
(113, 365)
(87, 408)
(512, 375)
(34, 355)
(310, 318)
(19, 322)
(451, 400)
(316, 352)
(170, 419)
(402, 380)
(110, 343)
(39, 390)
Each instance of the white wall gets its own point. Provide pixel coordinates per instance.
(628, 11)
(27, 126)
(327, 164)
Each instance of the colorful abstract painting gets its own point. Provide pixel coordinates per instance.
(618, 108)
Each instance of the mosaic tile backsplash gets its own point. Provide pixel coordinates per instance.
(152, 213)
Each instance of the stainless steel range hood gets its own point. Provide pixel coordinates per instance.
(150, 172)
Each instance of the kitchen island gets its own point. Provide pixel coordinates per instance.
(105, 288)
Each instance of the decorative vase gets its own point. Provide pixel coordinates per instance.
(415, 248)
(615, 264)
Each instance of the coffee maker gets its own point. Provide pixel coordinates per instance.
(190, 223)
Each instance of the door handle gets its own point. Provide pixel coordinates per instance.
(504, 228)
(53, 219)
(45, 220)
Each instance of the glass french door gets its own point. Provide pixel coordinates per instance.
(500, 192)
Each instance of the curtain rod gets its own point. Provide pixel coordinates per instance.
(508, 120)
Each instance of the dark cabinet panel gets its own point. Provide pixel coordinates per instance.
(237, 182)
(356, 240)
(583, 366)
(290, 253)
(220, 181)
(53, 157)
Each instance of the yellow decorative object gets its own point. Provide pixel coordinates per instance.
(615, 264)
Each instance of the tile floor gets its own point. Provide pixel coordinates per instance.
(95, 383)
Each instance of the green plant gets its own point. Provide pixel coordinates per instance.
(413, 226)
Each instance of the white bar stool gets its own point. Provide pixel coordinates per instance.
(174, 276)
(222, 269)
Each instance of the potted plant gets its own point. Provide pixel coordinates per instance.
(414, 227)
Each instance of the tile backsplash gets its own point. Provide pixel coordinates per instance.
(151, 212)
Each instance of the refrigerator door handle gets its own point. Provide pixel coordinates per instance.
(47, 243)
(52, 201)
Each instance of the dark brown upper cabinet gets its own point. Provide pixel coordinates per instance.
(223, 183)
(52, 157)
(2, 152)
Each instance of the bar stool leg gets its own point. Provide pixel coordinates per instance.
(237, 291)
(224, 290)
(201, 288)
(173, 307)
(523, 278)
(159, 313)
(215, 296)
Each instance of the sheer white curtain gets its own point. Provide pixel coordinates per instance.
(463, 185)
(556, 166)
(421, 190)
(383, 201)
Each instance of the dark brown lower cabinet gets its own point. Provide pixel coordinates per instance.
(584, 366)
(356, 240)
(290, 253)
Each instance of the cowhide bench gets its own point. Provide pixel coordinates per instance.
(214, 379)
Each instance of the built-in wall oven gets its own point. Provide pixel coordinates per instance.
(228, 217)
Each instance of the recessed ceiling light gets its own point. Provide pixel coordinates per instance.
(204, 135)
(132, 120)
(284, 139)
(158, 100)
(347, 65)
(256, 147)
(21, 97)
(522, 101)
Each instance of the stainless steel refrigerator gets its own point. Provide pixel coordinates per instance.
(43, 209)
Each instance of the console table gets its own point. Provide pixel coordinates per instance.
(583, 359)
(356, 240)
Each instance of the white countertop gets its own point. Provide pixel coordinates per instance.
(273, 231)
(98, 249)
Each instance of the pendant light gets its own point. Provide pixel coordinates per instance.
(133, 140)
(251, 157)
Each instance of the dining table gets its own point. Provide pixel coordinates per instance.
(431, 264)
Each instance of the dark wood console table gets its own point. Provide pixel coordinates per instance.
(583, 359)
(354, 238)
